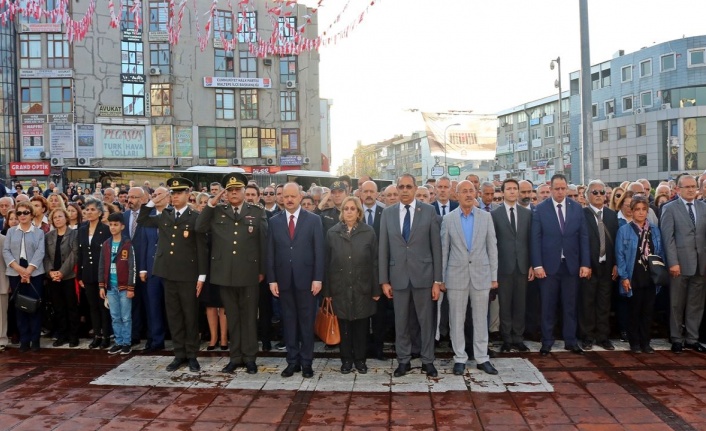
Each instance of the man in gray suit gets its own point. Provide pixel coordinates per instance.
(470, 269)
(410, 267)
(683, 226)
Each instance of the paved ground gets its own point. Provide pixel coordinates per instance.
(79, 389)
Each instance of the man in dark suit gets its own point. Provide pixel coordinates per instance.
(182, 262)
(410, 269)
(238, 240)
(602, 222)
(559, 253)
(512, 224)
(443, 205)
(295, 270)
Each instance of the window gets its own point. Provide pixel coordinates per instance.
(627, 103)
(248, 104)
(30, 51)
(536, 154)
(603, 135)
(22, 18)
(287, 29)
(536, 134)
(127, 21)
(248, 65)
(132, 61)
(521, 117)
(133, 99)
(159, 15)
(247, 27)
(646, 68)
(549, 131)
(288, 105)
(268, 143)
(605, 164)
(225, 104)
(159, 55)
(290, 141)
(641, 129)
(622, 132)
(667, 62)
(641, 160)
(287, 69)
(550, 153)
(646, 99)
(224, 65)
(609, 107)
(565, 129)
(622, 162)
(217, 142)
(522, 136)
(626, 73)
(696, 57)
(161, 100)
(594, 110)
(250, 141)
(60, 96)
(31, 90)
(223, 27)
(58, 53)
(522, 156)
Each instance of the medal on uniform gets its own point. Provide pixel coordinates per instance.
(250, 229)
(186, 231)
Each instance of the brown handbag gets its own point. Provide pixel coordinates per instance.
(326, 325)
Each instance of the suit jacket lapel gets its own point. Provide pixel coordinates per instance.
(415, 219)
(506, 220)
(476, 227)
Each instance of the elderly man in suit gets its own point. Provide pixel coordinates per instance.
(602, 222)
(559, 251)
(238, 240)
(683, 226)
(470, 269)
(512, 224)
(410, 270)
(295, 271)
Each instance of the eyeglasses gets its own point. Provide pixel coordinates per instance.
(23, 213)
(191, 201)
(405, 187)
(268, 193)
(597, 192)
(497, 199)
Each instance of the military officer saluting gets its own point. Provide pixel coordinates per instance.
(181, 261)
(238, 240)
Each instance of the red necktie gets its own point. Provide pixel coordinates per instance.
(291, 226)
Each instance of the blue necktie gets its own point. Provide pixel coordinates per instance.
(406, 225)
(691, 212)
(370, 217)
(561, 217)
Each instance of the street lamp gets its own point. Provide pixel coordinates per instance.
(557, 84)
(446, 166)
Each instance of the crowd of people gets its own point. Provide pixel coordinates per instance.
(461, 261)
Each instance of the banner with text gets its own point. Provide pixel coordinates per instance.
(183, 144)
(162, 141)
(123, 142)
(462, 136)
(61, 140)
(86, 139)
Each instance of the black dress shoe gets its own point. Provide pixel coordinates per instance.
(346, 367)
(290, 370)
(210, 348)
(95, 343)
(587, 345)
(35, 346)
(361, 367)
(194, 366)
(677, 348)
(60, 342)
(230, 367)
(24, 347)
(266, 346)
(105, 343)
(251, 367)
(459, 369)
(520, 347)
(697, 347)
(307, 371)
(402, 369)
(623, 336)
(506, 348)
(544, 351)
(134, 343)
(153, 348)
(487, 367)
(574, 349)
(635, 349)
(430, 369)
(73, 343)
(224, 347)
(176, 364)
(648, 349)
(606, 344)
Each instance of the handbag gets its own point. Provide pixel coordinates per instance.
(326, 324)
(25, 303)
(658, 270)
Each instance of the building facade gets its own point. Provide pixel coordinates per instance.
(127, 98)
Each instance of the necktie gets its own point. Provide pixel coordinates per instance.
(176, 217)
(691, 212)
(370, 217)
(512, 220)
(291, 226)
(406, 225)
(561, 217)
(601, 233)
(443, 210)
(133, 224)
(235, 212)
(487, 208)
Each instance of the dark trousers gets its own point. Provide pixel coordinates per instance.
(182, 308)
(563, 287)
(153, 300)
(512, 294)
(594, 314)
(264, 315)
(420, 300)
(640, 307)
(29, 325)
(379, 324)
(533, 308)
(240, 303)
(139, 319)
(63, 296)
(353, 339)
(298, 315)
(100, 316)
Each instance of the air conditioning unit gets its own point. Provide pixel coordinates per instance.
(639, 110)
(306, 161)
(57, 161)
(267, 62)
(270, 161)
(236, 162)
(666, 106)
(177, 161)
(611, 115)
(154, 71)
(44, 155)
(83, 161)
(211, 162)
(291, 84)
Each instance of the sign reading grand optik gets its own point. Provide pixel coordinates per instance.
(123, 142)
(236, 82)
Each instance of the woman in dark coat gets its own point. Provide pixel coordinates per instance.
(352, 281)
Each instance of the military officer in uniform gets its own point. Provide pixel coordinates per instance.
(238, 240)
(181, 261)
(332, 216)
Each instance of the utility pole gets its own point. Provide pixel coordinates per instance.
(586, 102)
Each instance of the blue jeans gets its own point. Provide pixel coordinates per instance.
(121, 315)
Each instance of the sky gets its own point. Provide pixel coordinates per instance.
(479, 55)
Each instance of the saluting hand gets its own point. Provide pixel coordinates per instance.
(217, 198)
